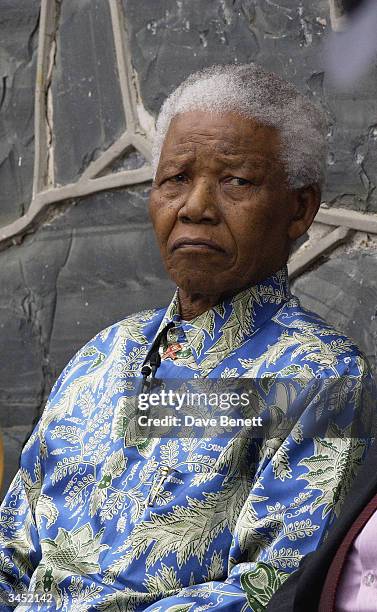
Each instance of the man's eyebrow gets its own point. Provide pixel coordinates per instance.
(176, 160)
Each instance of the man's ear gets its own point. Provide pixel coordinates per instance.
(305, 203)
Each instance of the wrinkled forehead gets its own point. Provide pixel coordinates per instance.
(229, 135)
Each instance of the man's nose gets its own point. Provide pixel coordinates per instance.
(200, 205)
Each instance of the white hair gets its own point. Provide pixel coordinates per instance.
(251, 91)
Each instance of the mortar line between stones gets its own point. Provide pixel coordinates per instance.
(124, 65)
(46, 38)
(307, 257)
(13, 233)
(132, 135)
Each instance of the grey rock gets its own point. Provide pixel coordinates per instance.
(13, 441)
(28, 278)
(88, 111)
(171, 39)
(18, 35)
(344, 292)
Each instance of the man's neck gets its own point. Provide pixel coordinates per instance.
(192, 306)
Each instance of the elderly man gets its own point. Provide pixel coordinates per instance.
(98, 519)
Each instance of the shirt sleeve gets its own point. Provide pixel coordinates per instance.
(20, 513)
(25, 505)
(19, 545)
(301, 484)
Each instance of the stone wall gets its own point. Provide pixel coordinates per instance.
(80, 85)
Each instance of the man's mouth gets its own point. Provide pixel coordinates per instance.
(197, 244)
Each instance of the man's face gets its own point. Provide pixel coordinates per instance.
(220, 203)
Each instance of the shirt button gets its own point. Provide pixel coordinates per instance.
(370, 579)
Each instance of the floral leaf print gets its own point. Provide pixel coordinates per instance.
(300, 529)
(67, 466)
(126, 600)
(132, 326)
(233, 330)
(229, 373)
(185, 531)
(260, 584)
(70, 433)
(335, 460)
(93, 380)
(87, 402)
(124, 411)
(220, 309)
(82, 594)
(115, 464)
(163, 581)
(100, 357)
(249, 535)
(285, 558)
(216, 569)
(204, 323)
(170, 453)
(113, 504)
(75, 551)
(280, 462)
(117, 602)
(133, 437)
(32, 487)
(45, 507)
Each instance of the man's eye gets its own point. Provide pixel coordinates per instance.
(237, 181)
(178, 178)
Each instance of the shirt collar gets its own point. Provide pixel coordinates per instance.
(227, 325)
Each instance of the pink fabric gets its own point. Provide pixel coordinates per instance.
(357, 590)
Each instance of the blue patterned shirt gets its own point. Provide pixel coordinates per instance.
(98, 519)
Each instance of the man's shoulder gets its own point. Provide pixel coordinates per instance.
(131, 326)
(295, 318)
(112, 341)
(314, 339)
(122, 344)
(126, 327)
